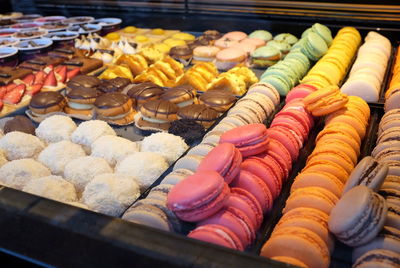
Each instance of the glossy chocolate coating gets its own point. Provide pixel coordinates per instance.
(161, 107)
(180, 51)
(212, 35)
(198, 112)
(179, 92)
(217, 98)
(46, 99)
(83, 81)
(200, 41)
(111, 100)
(145, 91)
(82, 93)
(112, 85)
(19, 123)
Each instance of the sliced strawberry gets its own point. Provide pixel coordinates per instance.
(39, 77)
(29, 79)
(34, 89)
(58, 68)
(74, 72)
(50, 80)
(63, 74)
(3, 91)
(15, 95)
(11, 86)
(1, 105)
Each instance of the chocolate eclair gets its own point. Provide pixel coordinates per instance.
(143, 92)
(201, 113)
(180, 95)
(80, 100)
(47, 102)
(83, 81)
(219, 100)
(115, 107)
(157, 114)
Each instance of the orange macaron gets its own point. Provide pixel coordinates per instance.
(325, 101)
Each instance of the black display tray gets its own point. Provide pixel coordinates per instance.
(50, 233)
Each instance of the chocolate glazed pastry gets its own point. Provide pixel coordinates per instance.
(219, 100)
(143, 92)
(180, 95)
(47, 102)
(83, 81)
(113, 85)
(115, 107)
(188, 129)
(157, 114)
(81, 100)
(181, 53)
(19, 123)
(212, 35)
(201, 113)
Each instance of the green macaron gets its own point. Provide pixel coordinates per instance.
(265, 56)
(315, 47)
(278, 83)
(323, 32)
(261, 34)
(286, 37)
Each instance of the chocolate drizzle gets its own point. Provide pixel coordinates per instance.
(160, 107)
(198, 112)
(179, 92)
(111, 100)
(46, 99)
(145, 90)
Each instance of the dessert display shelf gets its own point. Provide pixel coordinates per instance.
(35, 226)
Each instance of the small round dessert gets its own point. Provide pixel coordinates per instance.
(80, 101)
(58, 154)
(110, 193)
(83, 81)
(89, 131)
(47, 102)
(18, 173)
(168, 145)
(52, 187)
(19, 123)
(219, 100)
(113, 85)
(201, 113)
(181, 53)
(56, 128)
(212, 35)
(143, 92)
(180, 95)
(229, 58)
(157, 114)
(204, 54)
(200, 41)
(115, 107)
(18, 145)
(82, 170)
(113, 148)
(146, 167)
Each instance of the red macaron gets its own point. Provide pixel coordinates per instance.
(287, 138)
(250, 139)
(225, 159)
(198, 196)
(277, 151)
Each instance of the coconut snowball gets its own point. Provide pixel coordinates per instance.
(168, 145)
(52, 187)
(82, 170)
(113, 148)
(89, 131)
(111, 194)
(55, 128)
(145, 166)
(57, 155)
(18, 173)
(19, 145)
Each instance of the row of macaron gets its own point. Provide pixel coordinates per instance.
(256, 106)
(392, 93)
(373, 188)
(368, 71)
(302, 237)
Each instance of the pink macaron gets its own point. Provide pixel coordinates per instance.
(286, 137)
(250, 139)
(218, 235)
(255, 41)
(236, 35)
(235, 220)
(280, 154)
(289, 122)
(296, 108)
(299, 92)
(198, 196)
(246, 202)
(256, 186)
(225, 159)
(261, 169)
(230, 57)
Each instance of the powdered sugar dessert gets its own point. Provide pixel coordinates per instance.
(18, 145)
(56, 128)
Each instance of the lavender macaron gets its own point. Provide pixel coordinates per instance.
(368, 172)
(358, 216)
